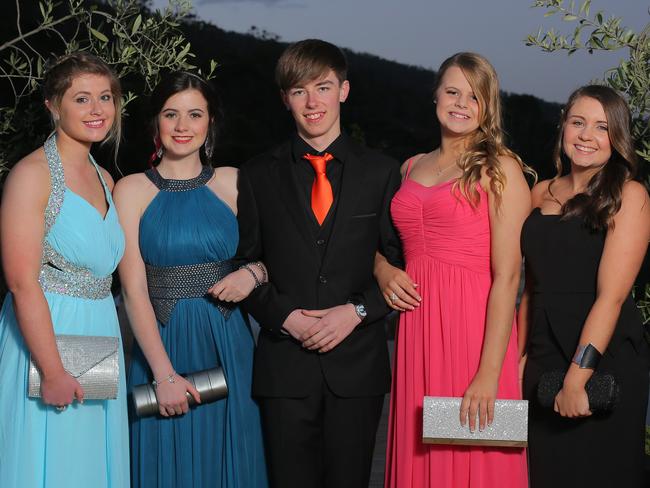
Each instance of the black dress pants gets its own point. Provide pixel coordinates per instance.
(321, 441)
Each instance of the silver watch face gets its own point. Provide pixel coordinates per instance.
(361, 310)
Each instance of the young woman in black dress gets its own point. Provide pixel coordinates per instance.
(584, 244)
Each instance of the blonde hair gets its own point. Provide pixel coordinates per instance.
(486, 144)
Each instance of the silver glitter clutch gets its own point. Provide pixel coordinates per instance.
(441, 424)
(92, 360)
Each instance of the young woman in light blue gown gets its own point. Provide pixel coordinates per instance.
(179, 217)
(61, 240)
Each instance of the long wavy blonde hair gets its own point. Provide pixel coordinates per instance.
(485, 145)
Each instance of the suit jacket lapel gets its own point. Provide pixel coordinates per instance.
(287, 188)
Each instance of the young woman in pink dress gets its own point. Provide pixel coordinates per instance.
(459, 214)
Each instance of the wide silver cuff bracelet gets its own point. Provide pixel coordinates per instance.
(92, 360)
(441, 424)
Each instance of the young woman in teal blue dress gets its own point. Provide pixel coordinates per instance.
(181, 215)
(61, 241)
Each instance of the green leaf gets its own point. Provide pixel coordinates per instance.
(183, 52)
(136, 24)
(599, 18)
(569, 17)
(595, 41)
(98, 35)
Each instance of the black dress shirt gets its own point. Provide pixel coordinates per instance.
(305, 175)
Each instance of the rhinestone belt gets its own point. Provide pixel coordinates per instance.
(60, 276)
(168, 284)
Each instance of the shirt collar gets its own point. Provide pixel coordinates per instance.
(338, 148)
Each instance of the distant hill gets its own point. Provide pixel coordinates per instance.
(390, 105)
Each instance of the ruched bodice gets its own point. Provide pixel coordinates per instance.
(97, 244)
(437, 222)
(197, 222)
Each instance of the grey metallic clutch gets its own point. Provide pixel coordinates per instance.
(92, 360)
(210, 383)
(441, 424)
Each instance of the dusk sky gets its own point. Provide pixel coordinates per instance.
(425, 32)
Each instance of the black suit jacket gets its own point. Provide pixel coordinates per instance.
(274, 228)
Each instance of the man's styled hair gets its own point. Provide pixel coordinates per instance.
(308, 60)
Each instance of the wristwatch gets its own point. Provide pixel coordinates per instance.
(361, 310)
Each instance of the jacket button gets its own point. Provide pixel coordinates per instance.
(322, 279)
(320, 242)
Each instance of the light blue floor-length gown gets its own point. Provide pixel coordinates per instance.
(85, 445)
(217, 445)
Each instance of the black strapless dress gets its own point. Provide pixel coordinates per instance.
(604, 450)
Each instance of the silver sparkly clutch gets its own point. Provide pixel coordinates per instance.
(441, 424)
(92, 360)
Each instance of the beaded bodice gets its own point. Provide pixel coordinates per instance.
(180, 185)
(76, 260)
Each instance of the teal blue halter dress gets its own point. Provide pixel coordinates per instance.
(85, 445)
(213, 445)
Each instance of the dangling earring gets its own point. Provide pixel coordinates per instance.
(158, 151)
(159, 147)
(207, 147)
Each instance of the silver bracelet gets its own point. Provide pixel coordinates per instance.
(169, 379)
(265, 277)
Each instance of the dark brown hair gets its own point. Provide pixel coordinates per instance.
(601, 200)
(307, 60)
(179, 81)
(60, 73)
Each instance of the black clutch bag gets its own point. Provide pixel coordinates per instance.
(602, 389)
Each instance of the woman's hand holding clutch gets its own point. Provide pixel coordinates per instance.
(572, 400)
(479, 400)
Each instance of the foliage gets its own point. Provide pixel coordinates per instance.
(643, 300)
(605, 33)
(135, 42)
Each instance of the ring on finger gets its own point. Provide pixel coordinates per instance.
(393, 297)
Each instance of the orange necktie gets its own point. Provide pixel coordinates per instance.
(321, 191)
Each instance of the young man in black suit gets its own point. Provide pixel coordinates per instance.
(315, 210)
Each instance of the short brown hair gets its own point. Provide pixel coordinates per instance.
(307, 60)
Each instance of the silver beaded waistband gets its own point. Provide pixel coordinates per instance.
(64, 278)
(168, 284)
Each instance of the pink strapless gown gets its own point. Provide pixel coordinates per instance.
(438, 345)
